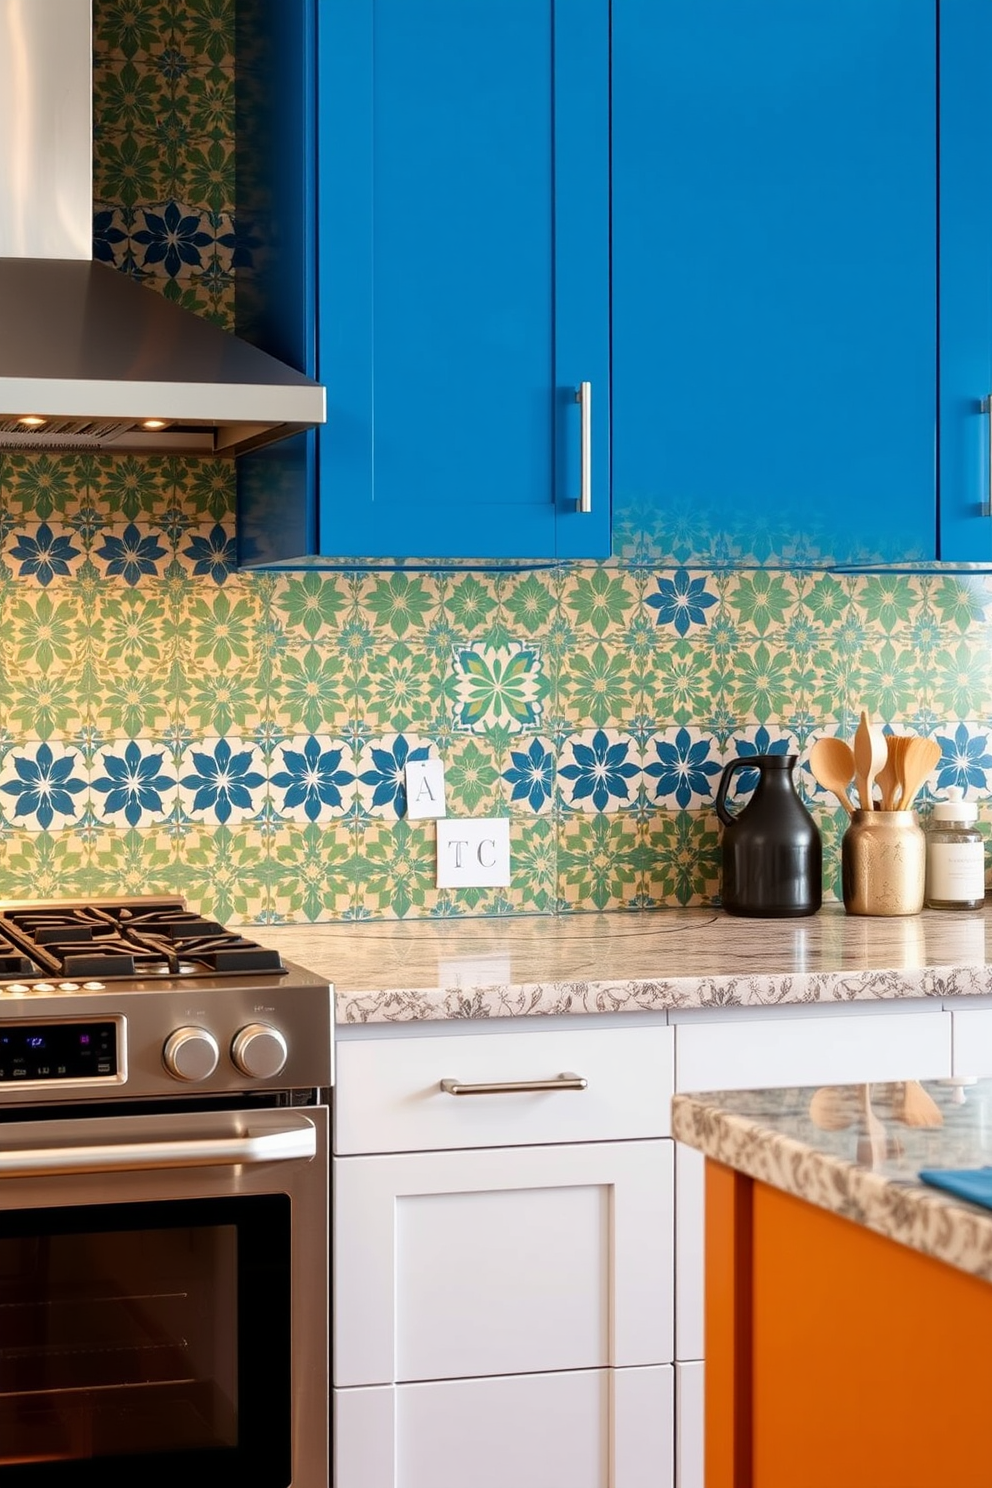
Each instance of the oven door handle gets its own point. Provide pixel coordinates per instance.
(45, 1162)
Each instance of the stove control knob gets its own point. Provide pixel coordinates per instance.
(191, 1054)
(259, 1051)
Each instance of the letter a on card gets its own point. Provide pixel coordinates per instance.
(425, 789)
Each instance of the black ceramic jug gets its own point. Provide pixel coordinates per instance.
(772, 856)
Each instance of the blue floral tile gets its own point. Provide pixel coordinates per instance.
(44, 786)
(222, 780)
(683, 601)
(529, 776)
(599, 770)
(208, 552)
(133, 783)
(135, 553)
(965, 760)
(43, 552)
(311, 778)
(682, 768)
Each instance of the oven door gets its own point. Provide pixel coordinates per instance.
(163, 1300)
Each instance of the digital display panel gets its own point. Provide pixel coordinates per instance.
(57, 1051)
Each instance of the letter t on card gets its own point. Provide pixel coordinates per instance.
(425, 789)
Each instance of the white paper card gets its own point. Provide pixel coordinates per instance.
(473, 852)
(425, 789)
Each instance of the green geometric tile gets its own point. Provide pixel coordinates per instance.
(599, 601)
(401, 687)
(887, 601)
(224, 873)
(596, 683)
(681, 858)
(309, 872)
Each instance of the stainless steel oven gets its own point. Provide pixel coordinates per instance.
(163, 1207)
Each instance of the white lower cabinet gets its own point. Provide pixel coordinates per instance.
(972, 1042)
(689, 1385)
(518, 1274)
(593, 1428)
(504, 1314)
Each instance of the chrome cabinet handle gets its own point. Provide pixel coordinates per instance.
(565, 1081)
(122, 1157)
(987, 410)
(583, 396)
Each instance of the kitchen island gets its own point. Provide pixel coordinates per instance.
(849, 1305)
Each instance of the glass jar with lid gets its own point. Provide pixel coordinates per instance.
(955, 855)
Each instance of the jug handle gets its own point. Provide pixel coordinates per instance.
(741, 763)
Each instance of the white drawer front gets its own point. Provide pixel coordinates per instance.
(591, 1429)
(744, 1054)
(389, 1096)
(502, 1261)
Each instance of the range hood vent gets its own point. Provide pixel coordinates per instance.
(88, 355)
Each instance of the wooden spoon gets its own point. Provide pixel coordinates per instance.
(870, 754)
(919, 758)
(832, 764)
(887, 778)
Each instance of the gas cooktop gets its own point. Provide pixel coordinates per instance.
(116, 940)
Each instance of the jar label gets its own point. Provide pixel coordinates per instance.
(956, 871)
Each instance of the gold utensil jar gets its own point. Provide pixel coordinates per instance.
(883, 863)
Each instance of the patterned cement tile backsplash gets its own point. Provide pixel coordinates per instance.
(171, 724)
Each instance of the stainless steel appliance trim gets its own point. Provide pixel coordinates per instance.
(294, 1143)
(565, 1081)
(305, 1182)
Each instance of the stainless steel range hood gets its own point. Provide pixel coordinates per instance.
(89, 357)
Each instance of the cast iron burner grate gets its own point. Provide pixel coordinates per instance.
(116, 941)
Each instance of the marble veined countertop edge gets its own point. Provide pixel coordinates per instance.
(760, 1134)
(402, 971)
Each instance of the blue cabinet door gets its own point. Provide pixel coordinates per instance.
(965, 440)
(774, 279)
(463, 276)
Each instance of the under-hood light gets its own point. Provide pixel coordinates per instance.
(32, 421)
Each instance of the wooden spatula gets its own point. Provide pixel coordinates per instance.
(919, 758)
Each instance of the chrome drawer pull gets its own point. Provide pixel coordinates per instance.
(565, 1081)
(583, 396)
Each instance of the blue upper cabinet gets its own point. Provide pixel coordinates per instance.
(790, 204)
(965, 431)
(774, 279)
(462, 284)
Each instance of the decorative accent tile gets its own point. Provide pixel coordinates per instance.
(498, 686)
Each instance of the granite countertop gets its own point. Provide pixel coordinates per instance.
(866, 1170)
(401, 971)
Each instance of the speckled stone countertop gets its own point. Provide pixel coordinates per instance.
(401, 971)
(867, 1170)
